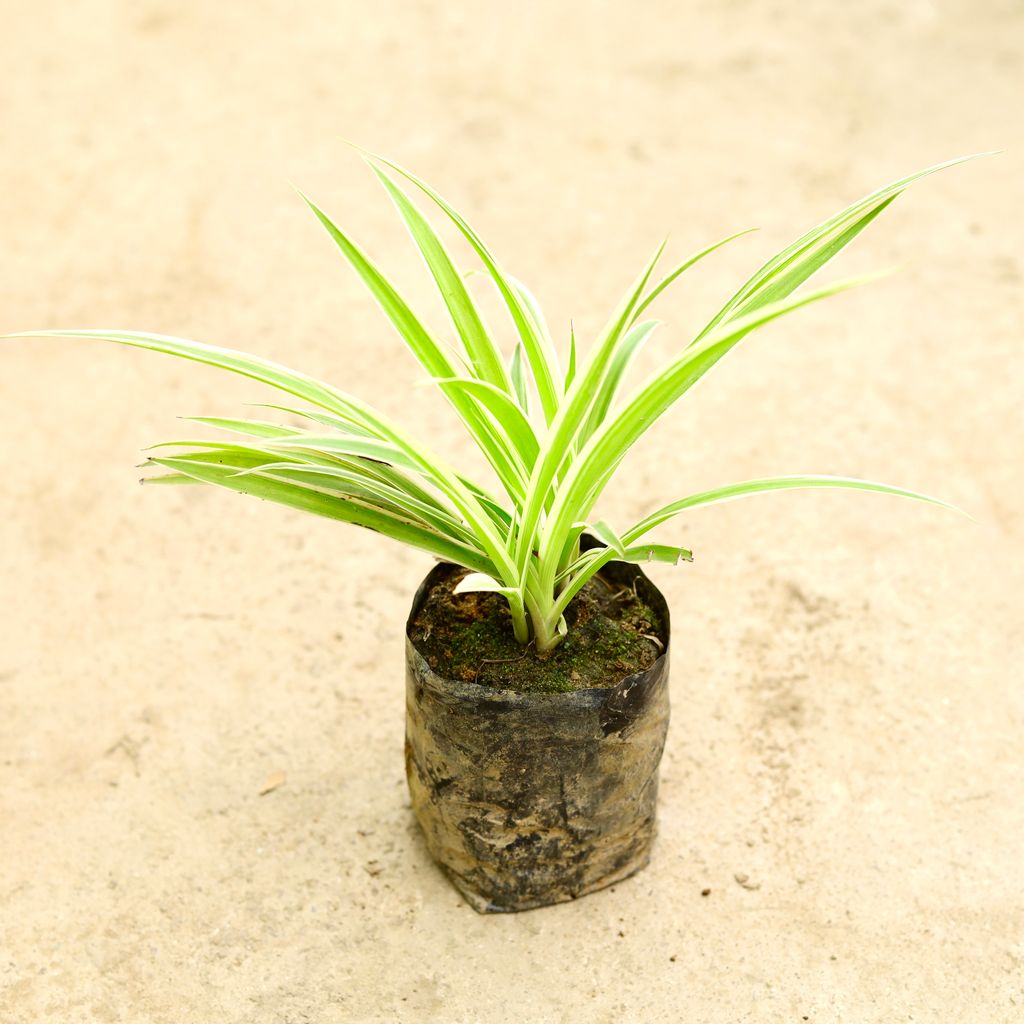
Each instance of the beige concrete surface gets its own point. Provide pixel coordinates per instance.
(848, 725)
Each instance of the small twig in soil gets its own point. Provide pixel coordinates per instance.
(501, 661)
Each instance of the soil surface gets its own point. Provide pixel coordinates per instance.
(612, 634)
(203, 808)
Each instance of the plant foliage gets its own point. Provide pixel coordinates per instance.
(553, 435)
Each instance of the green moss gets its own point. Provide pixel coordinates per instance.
(469, 637)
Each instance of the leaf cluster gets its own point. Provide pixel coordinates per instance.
(553, 434)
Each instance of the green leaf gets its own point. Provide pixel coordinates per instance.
(584, 566)
(570, 417)
(325, 419)
(620, 362)
(357, 480)
(779, 483)
(681, 268)
(478, 581)
(172, 479)
(657, 553)
(426, 350)
(515, 427)
(518, 374)
(570, 373)
(791, 266)
(483, 353)
(478, 517)
(781, 284)
(607, 536)
(308, 499)
(292, 382)
(541, 357)
(314, 445)
(251, 428)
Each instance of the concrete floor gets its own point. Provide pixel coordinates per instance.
(848, 716)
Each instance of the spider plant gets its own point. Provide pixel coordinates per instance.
(554, 434)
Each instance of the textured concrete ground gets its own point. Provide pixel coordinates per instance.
(848, 714)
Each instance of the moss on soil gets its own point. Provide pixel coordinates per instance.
(469, 637)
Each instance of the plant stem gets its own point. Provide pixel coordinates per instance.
(520, 625)
(544, 636)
